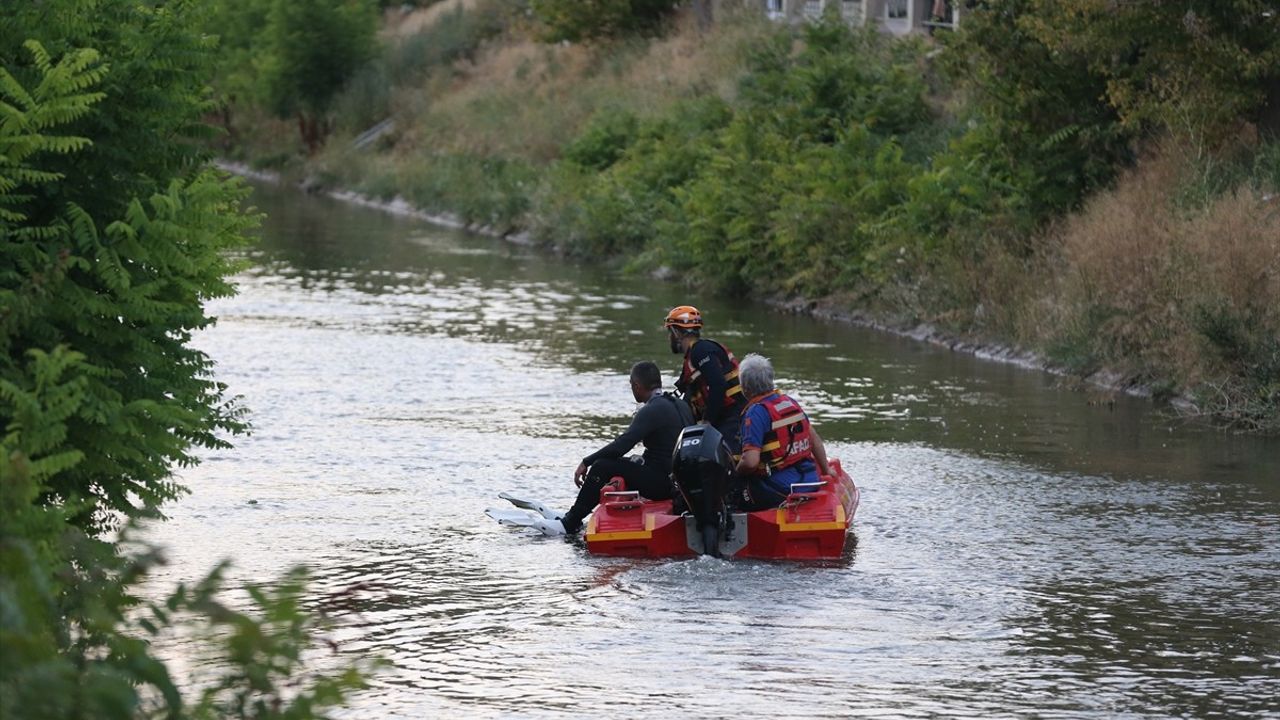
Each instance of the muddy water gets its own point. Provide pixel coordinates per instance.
(1021, 549)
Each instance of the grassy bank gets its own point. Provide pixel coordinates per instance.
(993, 192)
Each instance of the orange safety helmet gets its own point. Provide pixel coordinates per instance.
(685, 317)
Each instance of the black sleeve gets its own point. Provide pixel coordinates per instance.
(641, 425)
(704, 356)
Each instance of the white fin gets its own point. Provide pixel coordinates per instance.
(520, 518)
(533, 505)
(511, 516)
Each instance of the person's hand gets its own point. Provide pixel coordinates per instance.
(579, 473)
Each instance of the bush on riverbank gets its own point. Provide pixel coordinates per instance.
(1168, 277)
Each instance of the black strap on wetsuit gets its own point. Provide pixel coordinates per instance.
(682, 409)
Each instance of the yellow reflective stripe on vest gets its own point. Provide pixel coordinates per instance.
(731, 376)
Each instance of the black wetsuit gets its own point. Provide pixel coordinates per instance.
(657, 425)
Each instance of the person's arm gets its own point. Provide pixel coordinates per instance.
(819, 451)
(641, 425)
(703, 357)
(753, 428)
(749, 463)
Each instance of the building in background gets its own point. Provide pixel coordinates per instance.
(895, 16)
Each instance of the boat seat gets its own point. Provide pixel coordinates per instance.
(803, 492)
(615, 495)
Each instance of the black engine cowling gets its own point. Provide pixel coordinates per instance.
(702, 467)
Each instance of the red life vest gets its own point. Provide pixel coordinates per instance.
(787, 441)
(695, 388)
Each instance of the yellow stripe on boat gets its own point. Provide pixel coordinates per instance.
(644, 534)
(838, 524)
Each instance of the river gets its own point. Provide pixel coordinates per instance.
(1022, 549)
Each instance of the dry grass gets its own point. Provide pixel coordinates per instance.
(1151, 287)
(526, 99)
(398, 24)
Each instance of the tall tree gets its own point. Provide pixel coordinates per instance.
(310, 48)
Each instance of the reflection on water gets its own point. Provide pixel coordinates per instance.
(1020, 550)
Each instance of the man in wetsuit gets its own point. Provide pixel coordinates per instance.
(657, 424)
(709, 377)
(780, 447)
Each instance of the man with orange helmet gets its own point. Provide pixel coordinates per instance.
(709, 377)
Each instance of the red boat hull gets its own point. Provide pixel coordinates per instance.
(808, 526)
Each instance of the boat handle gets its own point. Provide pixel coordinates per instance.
(623, 495)
(815, 486)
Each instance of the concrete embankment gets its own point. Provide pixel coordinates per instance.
(395, 206)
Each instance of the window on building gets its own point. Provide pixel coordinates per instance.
(851, 11)
(896, 9)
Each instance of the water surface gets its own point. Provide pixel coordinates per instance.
(1022, 550)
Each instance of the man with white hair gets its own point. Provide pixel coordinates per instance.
(780, 447)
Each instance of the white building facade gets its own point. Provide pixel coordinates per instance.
(895, 16)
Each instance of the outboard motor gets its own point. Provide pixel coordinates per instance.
(702, 466)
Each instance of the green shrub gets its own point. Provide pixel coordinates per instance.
(1214, 174)
(82, 647)
(483, 191)
(838, 77)
(606, 137)
(808, 168)
(619, 208)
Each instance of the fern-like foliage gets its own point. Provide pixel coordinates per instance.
(62, 96)
(114, 237)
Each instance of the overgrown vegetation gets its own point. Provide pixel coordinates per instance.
(113, 234)
(956, 180)
(576, 20)
(289, 57)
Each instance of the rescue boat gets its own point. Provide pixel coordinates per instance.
(812, 524)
